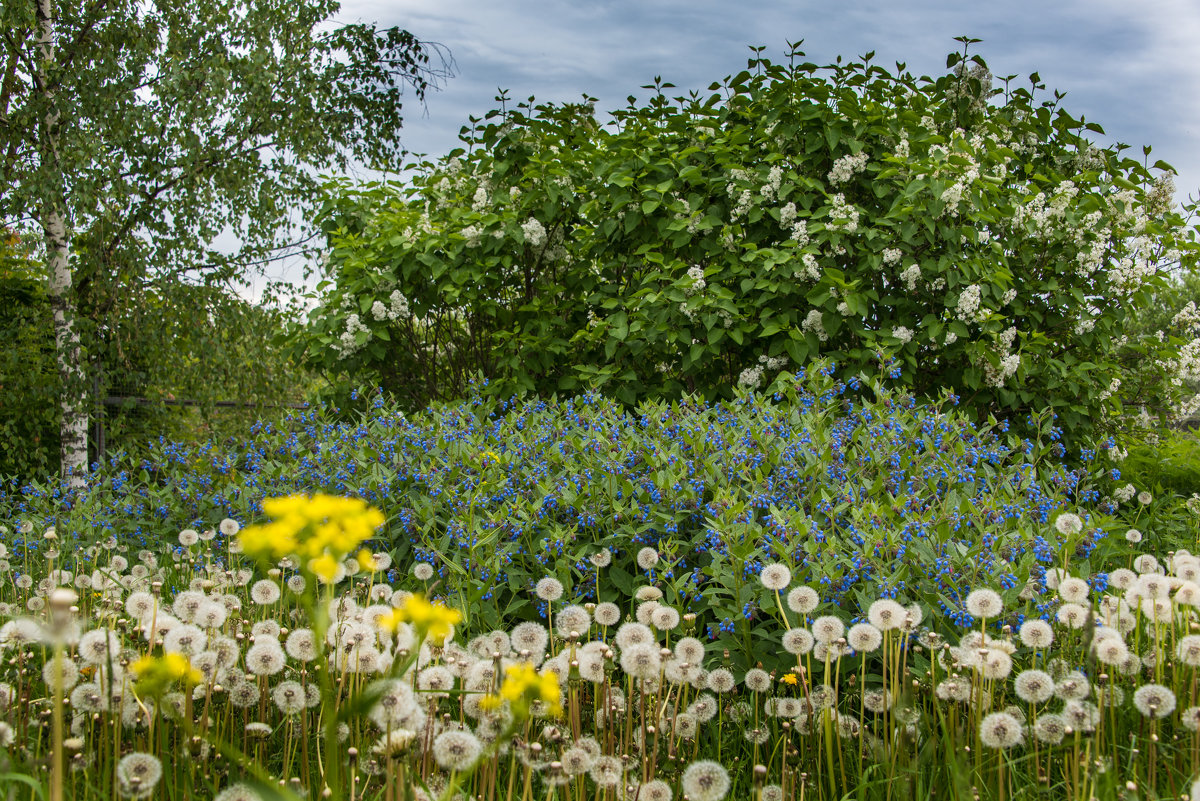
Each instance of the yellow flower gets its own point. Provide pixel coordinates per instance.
(321, 530)
(324, 567)
(156, 674)
(789, 679)
(522, 686)
(366, 561)
(428, 620)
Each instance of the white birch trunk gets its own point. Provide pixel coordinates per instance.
(74, 428)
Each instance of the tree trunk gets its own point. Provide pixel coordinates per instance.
(58, 251)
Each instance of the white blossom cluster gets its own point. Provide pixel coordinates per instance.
(814, 323)
(473, 235)
(808, 269)
(1113, 386)
(910, 276)
(845, 167)
(347, 344)
(751, 377)
(1087, 321)
(771, 188)
(397, 308)
(773, 362)
(535, 232)
(996, 376)
(902, 333)
(1009, 362)
(696, 273)
(968, 308)
(891, 256)
(1188, 317)
(742, 207)
(798, 229)
(843, 215)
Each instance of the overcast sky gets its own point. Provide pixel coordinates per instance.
(1131, 67)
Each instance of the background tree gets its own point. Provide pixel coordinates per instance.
(133, 134)
(966, 225)
(29, 385)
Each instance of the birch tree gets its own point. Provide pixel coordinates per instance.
(134, 133)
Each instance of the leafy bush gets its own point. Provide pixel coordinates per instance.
(29, 381)
(962, 223)
(1171, 464)
(860, 490)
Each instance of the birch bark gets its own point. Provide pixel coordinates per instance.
(53, 221)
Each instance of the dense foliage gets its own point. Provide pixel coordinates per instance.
(863, 491)
(29, 382)
(162, 357)
(702, 243)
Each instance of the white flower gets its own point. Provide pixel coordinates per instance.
(846, 166)
(967, 307)
(903, 334)
(814, 323)
(535, 233)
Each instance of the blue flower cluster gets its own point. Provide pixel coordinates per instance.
(863, 491)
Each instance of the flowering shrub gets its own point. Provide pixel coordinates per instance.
(859, 490)
(195, 672)
(959, 223)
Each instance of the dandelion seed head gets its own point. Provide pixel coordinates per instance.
(664, 618)
(572, 618)
(1073, 589)
(647, 558)
(1068, 523)
(607, 771)
(1036, 634)
(265, 657)
(864, 637)
(721, 681)
(803, 600)
(549, 589)
(705, 780)
(1050, 728)
(531, 637)
(607, 614)
(798, 641)
(631, 634)
(1000, 730)
(886, 614)
(827, 629)
(984, 603)
(757, 680)
(1034, 686)
(138, 773)
(1154, 700)
(775, 576)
